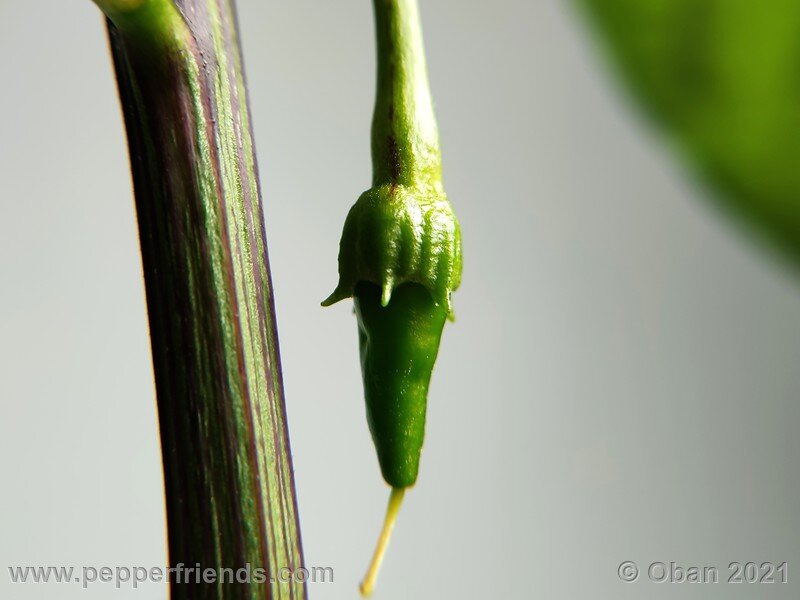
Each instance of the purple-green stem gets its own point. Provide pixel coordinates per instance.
(227, 464)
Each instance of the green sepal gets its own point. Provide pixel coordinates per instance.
(395, 235)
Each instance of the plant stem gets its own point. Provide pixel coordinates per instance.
(405, 139)
(227, 464)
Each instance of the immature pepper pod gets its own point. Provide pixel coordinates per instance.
(399, 257)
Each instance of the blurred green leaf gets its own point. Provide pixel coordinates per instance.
(723, 78)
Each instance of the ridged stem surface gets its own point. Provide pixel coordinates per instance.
(227, 464)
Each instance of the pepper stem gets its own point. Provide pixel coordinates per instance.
(405, 140)
(392, 510)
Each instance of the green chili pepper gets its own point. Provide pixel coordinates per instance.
(399, 257)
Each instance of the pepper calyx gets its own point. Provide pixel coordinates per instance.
(395, 234)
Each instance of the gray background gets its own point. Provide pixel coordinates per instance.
(622, 382)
